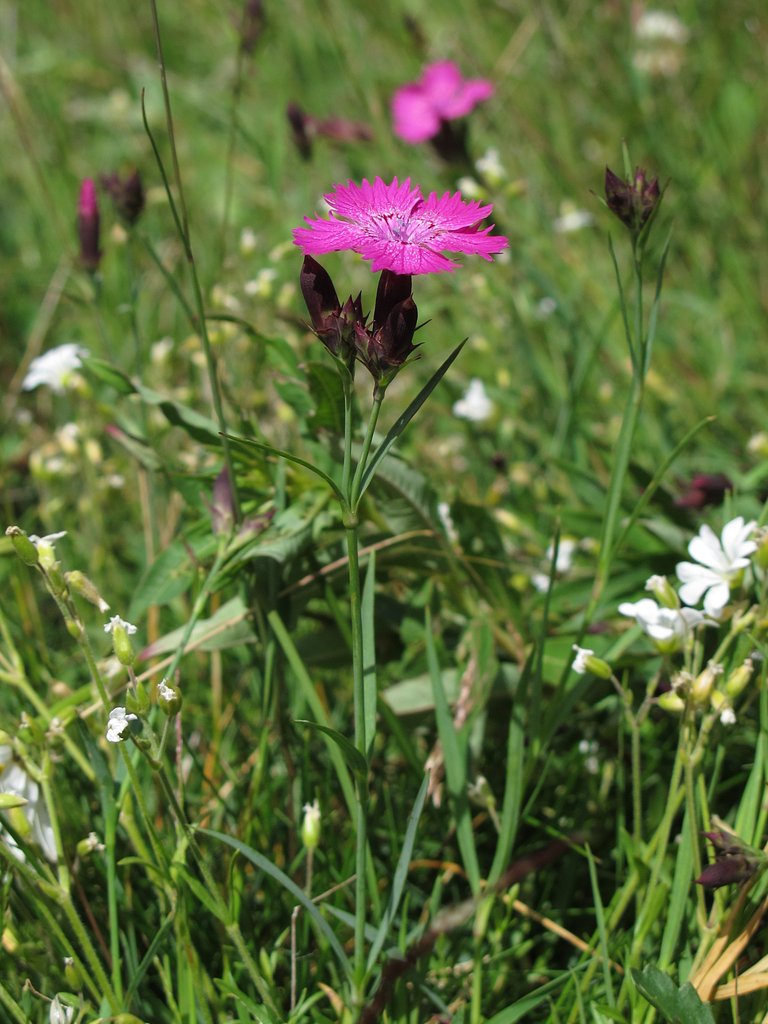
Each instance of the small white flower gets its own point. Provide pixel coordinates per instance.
(718, 563)
(580, 661)
(665, 625)
(566, 549)
(491, 167)
(545, 307)
(475, 405)
(571, 219)
(116, 621)
(728, 716)
(263, 284)
(470, 187)
(119, 721)
(661, 26)
(93, 843)
(59, 1013)
(165, 692)
(54, 367)
(14, 779)
(248, 241)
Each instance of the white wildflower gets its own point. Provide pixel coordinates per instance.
(475, 405)
(566, 549)
(580, 661)
(571, 219)
(54, 368)
(728, 716)
(262, 285)
(14, 779)
(669, 627)
(59, 1013)
(116, 622)
(165, 692)
(248, 241)
(489, 165)
(119, 721)
(661, 26)
(470, 187)
(718, 563)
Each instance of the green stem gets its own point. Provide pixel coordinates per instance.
(202, 325)
(354, 495)
(361, 824)
(94, 964)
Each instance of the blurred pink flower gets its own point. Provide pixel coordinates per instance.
(441, 94)
(396, 228)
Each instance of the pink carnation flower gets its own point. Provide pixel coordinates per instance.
(396, 228)
(441, 94)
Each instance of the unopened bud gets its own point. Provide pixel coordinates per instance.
(60, 1013)
(80, 584)
(704, 684)
(72, 974)
(738, 679)
(89, 845)
(23, 546)
(310, 826)
(168, 698)
(121, 631)
(672, 702)
(10, 800)
(585, 661)
(633, 201)
(88, 226)
(663, 591)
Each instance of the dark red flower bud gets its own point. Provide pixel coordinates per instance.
(88, 226)
(335, 325)
(704, 489)
(735, 861)
(302, 129)
(632, 201)
(386, 346)
(127, 195)
(251, 26)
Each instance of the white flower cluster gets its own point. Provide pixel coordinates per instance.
(719, 564)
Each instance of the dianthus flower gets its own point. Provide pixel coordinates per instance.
(720, 563)
(397, 229)
(420, 109)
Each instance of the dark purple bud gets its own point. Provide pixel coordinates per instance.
(632, 201)
(302, 129)
(127, 195)
(335, 326)
(88, 226)
(251, 26)
(735, 861)
(704, 489)
(393, 289)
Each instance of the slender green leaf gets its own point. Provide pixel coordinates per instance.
(455, 764)
(405, 418)
(351, 754)
(244, 443)
(520, 1010)
(513, 794)
(678, 897)
(601, 928)
(290, 886)
(401, 873)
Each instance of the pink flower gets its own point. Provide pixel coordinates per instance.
(396, 228)
(441, 94)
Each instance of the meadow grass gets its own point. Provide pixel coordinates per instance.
(508, 830)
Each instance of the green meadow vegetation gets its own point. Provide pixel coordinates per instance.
(337, 686)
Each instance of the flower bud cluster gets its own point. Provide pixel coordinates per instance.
(384, 345)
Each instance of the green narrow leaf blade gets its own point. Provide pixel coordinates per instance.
(350, 753)
(405, 418)
(290, 886)
(455, 765)
(401, 873)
